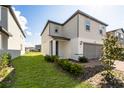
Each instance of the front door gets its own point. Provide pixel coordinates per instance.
(57, 48)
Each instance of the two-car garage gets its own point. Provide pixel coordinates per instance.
(92, 50)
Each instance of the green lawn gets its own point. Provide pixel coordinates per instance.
(31, 71)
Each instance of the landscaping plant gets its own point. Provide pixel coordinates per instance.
(5, 60)
(52, 58)
(111, 52)
(73, 68)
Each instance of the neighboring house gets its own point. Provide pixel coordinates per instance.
(29, 49)
(38, 48)
(118, 33)
(12, 37)
(80, 35)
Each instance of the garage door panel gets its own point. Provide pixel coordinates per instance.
(92, 50)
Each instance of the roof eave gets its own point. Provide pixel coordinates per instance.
(5, 32)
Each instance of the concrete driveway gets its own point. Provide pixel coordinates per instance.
(119, 65)
(92, 63)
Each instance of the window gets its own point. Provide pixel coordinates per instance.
(56, 30)
(101, 29)
(101, 32)
(88, 25)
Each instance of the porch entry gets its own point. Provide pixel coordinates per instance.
(54, 47)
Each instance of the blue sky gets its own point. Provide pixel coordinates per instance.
(35, 17)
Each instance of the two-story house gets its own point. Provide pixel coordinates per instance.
(80, 35)
(12, 37)
(118, 33)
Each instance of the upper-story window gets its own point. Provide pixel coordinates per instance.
(101, 29)
(56, 30)
(87, 25)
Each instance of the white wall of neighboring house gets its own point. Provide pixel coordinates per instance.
(14, 44)
(120, 34)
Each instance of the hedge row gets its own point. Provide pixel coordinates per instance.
(73, 68)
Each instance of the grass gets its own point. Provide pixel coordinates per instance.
(31, 71)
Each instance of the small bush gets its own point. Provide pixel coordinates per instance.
(5, 60)
(73, 68)
(53, 58)
(47, 58)
(65, 64)
(76, 69)
(83, 59)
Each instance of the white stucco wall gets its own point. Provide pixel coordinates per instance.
(93, 35)
(17, 41)
(70, 28)
(45, 42)
(53, 26)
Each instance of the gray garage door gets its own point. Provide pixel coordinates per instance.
(92, 50)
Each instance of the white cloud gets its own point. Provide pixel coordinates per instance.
(29, 33)
(22, 20)
(29, 44)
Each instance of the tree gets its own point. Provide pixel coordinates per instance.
(111, 52)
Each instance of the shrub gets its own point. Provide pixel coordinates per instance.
(73, 68)
(83, 59)
(65, 64)
(76, 69)
(121, 56)
(5, 60)
(47, 58)
(53, 58)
